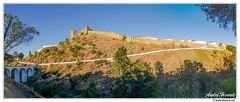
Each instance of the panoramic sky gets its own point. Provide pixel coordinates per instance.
(176, 21)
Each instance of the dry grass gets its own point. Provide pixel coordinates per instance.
(91, 44)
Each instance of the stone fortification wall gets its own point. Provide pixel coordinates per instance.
(109, 34)
(73, 33)
(144, 39)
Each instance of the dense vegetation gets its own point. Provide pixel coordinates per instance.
(191, 80)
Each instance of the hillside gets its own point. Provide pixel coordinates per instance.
(93, 46)
(70, 78)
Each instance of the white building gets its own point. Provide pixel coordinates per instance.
(167, 39)
(153, 38)
(200, 42)
(212, 43)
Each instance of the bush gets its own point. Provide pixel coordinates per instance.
(61, 52)
(68, 66)
(97, 62)
(61, 43)
(124, 37)
(51, 65)
(46, 50)
(54, 72)
(91, 43)
(229, 85)
(159, 66)
(78, 63)
(188, 63)
(90, 91)
(58, 74)
(46, 91)
(99, 52)
(215, 52)
(142, 48)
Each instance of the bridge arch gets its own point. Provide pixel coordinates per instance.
(8, 72)
(23, 75)
(15, 74)
(19, 73)
(29, 72)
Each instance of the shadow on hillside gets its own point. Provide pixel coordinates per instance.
(72, 85)
(189, 83)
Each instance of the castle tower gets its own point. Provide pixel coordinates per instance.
(86, 28)
(73, 33)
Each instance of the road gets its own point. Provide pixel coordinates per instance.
(139, 54)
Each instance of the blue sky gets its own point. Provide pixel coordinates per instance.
(176, 21)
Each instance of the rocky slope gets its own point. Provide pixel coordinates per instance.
(12, 89)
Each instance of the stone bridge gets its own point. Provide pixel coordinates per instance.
(20, 73)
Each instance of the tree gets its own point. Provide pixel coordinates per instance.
(16, 32)
(29, 54)
(159, 66)
(7, 56)
(121, 62)
(132, 79)
(20, 55)
(15, 54)
(223, 14)
(220, 44)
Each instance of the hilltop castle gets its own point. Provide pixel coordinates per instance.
(144, 39)
(87, 30)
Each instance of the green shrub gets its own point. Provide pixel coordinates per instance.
(61, 43)
(215, 52)
(68, 66)
(159, 66)
(54, 72)
(73, 69)
(97, 62)
(46, 91)
(46, 50)
(64, 95)
(68, 75)
(51, 65)
(91, 43)
(61, 52)
(78, 63)
(99, 52)
(229, 85)
(142, 48)
(81, 33)
(188, 63)
(90, 91)
(58, 74)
